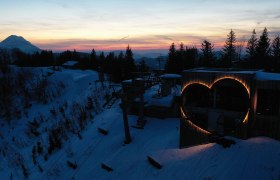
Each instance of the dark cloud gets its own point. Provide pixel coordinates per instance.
(277, 17)
(164, 37)
(123, 38)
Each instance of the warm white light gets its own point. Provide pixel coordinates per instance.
(210, 85)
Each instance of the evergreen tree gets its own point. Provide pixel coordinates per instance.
(75, 56)
(93, 60)
(64, 57)
(4, 61)
(181, 59)
(101, 60)
(121, 67)
(170, 65)
(207, 58)
(229, 50)
(129, 63)
(143, 66)
(276, 52)
(191, 58)
(263, 50)
(109, 63)
(251, 47)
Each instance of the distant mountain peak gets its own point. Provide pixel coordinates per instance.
(14, 41)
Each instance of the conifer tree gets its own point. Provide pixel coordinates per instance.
(229, 50)
(251, 46)
(263, 50)
(93, 59)
(191, 58)
(208, 58)
(170, 65)
(276, 52)
(181, 60)
(130, 66)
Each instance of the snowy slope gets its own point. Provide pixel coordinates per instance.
(19, 42)
(256, 158)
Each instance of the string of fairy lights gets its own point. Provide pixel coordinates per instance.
(209, 86)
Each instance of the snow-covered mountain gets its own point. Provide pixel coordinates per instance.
(19, 42)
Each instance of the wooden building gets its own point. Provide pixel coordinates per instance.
(234, 102)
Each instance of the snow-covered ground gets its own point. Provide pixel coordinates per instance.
(256, 158)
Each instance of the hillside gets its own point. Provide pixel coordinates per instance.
(256, 158)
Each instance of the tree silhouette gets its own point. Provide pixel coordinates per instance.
(4, 61)
(93, 59)
(129, 63)
(229, 50)
(170, 65)
(251, 48)
(143, 66)
(275, 51)
(191, 57)
(252, 45)
(207, 59)
(263, 50)
(101, 60)
(120, 61)
(181, 58)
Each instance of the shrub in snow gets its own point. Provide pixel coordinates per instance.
(89, 105)
(62, 111)
(33, 127)
(53, 112)
(39, 148)
(24, 171)
(46, 157)
(80, 114)
(34, 154)
(55, 139)
(40, 89)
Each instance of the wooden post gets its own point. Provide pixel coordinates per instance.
(125, 119)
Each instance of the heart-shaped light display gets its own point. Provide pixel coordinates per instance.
(210, 86)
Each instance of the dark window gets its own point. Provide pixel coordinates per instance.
(268, 102)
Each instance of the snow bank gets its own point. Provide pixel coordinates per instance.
(267, 76)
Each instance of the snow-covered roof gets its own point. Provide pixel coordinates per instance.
(70, 63)
(259, 74)
(223, 70)
(265, 76)
(170, 76)
(127, 81)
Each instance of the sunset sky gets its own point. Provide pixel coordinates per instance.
(144, 24)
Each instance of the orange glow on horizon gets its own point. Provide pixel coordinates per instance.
(136, 43)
